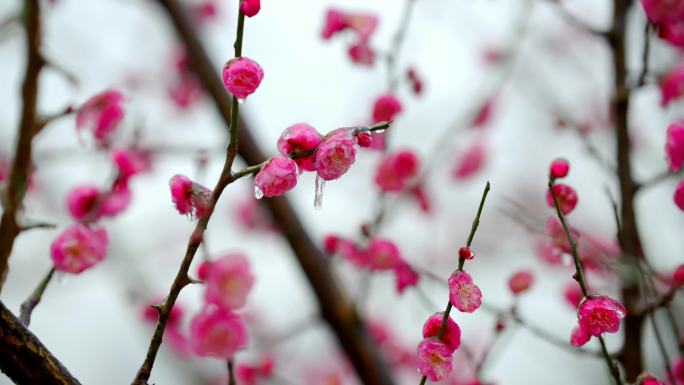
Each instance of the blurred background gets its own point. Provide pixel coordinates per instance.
(520, 56)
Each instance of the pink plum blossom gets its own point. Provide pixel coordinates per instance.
(78, 248)
(565, 195)
(254, 374)
(598, 315)
(115, 201)
(484, 115)
(405, 277)
(228, 281)
(299, 141)
(520, 282)
(678, 276)
(646, 378)
(678, 369)
(250, 7)
(678, 196)
(382, 254)
(415, 80)
(452, 332)
(82, 202)
(470, 162)
(395, 170)
(579, 337)
(463, 293)
(559, 168)
(674, 146)
(276, 178)
(364, 138)
(434, 359)
(189, 197)
(663, 10)
(672, 32)
(362, 53)
(217, 332)
(251, 215)
(101, 114)
(335, 155)
(130, 162)
(386, 108)
(671, 85)
(573, 294)
(336, 21)
(242, 76)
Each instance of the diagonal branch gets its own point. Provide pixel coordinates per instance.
(24, 359)
(335, 307)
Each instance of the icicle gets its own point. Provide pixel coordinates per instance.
(318, 197)
(258, 194)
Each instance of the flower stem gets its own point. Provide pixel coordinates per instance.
(461, 262)
(614, 371)
(34, 299)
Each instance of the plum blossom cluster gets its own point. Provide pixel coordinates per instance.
(83, 244)
(596, 315)
(378, 255)
(362, 25)
(217, 330)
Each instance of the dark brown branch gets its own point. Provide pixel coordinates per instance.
(628, 236)
(24, 359)
(21, 165)
(335, 308)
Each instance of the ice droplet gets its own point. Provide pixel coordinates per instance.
(240, 101)
(258, 194)
(318, 196)
(62, 277)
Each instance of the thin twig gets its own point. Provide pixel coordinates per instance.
(579, 273)
(231, 373)
(461, 262)
(33, 300)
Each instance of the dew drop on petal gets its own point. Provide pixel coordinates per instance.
(258, 194)
(318, 196)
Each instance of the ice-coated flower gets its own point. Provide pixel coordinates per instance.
(382, 254)
(452, 332)
(250, 7)
(520, 282)
(217, 332)
(79, 248)
(559, 168)
(470, 162)
(395, 170)
(647, 378)
(335, 155)
(674, 146)
(276, 178)
(257, 373)
(671, 85)
(385, 108)
(130, 162)
(434, 359)
(101, 114)
(242, 76)
(228, 281)
(565, 195)
(663, 10)
(189, 197)
(463, 293)
(362, 53)
(579, 337)
(672, 32)
(405, 277)
(83, 202)
(678, 196)
(598, 315)
(299, 141)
